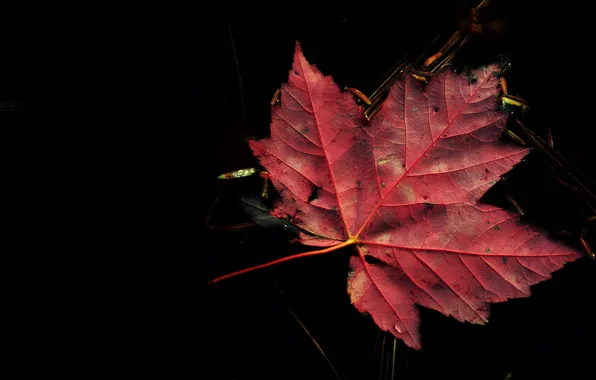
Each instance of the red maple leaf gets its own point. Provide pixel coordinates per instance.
(404, 189)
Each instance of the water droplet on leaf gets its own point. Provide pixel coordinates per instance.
(399, 327)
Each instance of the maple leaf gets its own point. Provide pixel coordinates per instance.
(404, 190)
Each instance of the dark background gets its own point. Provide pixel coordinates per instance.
(249, 332)
(162, 84)
(26, 70)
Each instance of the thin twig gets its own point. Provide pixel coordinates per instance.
(560, 161)
(238, 74)
(335, 372)
(382, 358)
(372, 360)
(393, 362)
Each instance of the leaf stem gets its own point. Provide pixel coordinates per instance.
(283, 259)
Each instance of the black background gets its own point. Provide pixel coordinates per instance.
(162, 84)
(26, 70)
(249, 332)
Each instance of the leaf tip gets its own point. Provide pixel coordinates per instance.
(299, 61)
